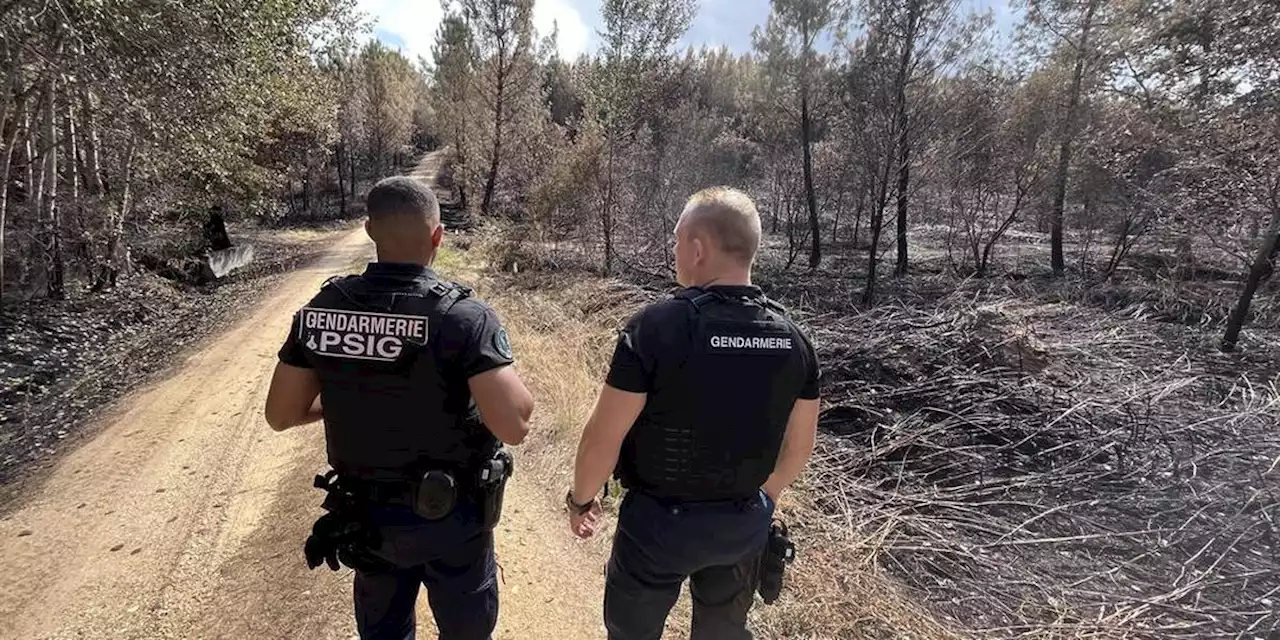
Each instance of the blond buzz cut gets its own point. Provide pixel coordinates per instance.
(729, 217)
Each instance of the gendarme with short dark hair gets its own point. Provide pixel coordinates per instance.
(402, 195)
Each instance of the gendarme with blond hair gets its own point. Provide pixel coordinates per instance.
(708, 413)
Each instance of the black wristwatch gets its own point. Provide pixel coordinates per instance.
(575, 508)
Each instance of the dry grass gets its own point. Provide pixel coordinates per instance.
(836, 589)
(561, 350)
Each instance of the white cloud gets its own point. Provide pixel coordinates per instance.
(412, 21)
(415, 23)
(574, 34)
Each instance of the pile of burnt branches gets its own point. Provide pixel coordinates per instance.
(1029, 466)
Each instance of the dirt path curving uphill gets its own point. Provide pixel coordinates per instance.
(185, 516)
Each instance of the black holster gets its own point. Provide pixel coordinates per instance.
(778, 553)
(492, 486)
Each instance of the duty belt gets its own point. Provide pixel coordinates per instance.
(433, 495)
(395, 493)
(742, 501)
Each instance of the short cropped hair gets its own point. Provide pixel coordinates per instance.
(730, 218)
(402, 195)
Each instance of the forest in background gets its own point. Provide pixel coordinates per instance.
(1113, 128)
(126, 123)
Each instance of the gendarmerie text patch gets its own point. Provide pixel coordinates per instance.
(747, 338)
(360, 335)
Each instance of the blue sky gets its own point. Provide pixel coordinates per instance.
(410, 25)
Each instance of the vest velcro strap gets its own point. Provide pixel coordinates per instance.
(773, 305)
(454, 291)
(698, 297)
(705, 299)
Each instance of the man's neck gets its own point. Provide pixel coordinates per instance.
(404, 259)
(726, 280)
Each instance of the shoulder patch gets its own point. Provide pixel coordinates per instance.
(360, 335)
(502, 343)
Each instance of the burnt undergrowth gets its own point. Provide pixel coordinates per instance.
(1034, 457)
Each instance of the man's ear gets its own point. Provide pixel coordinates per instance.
(437, 236)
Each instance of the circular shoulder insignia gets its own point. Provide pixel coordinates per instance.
(502, 343)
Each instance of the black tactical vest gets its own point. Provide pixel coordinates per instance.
(713, 429)
(391, 408)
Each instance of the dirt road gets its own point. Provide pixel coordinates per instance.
(185, 516)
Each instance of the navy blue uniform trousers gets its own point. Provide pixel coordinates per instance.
(659, 544)
(453, 558)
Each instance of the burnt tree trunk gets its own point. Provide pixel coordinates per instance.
(1260, 264)
(75, 171)
(16, 114)
(857, 218)
(342, 192)
(6, 165)
(606, 214)
(1067, 133)
(92, 162)
(69, 140)
(499, 105)
(792, 251)
(904, 131)
(306, 191)
(904, 183)
(815, 249)
(877, 226)
(460, 160)
(777, 202)
(114, 255)
(28, 152)
(49, 237)
(495, 164)
(353, 182)
(6, 162)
